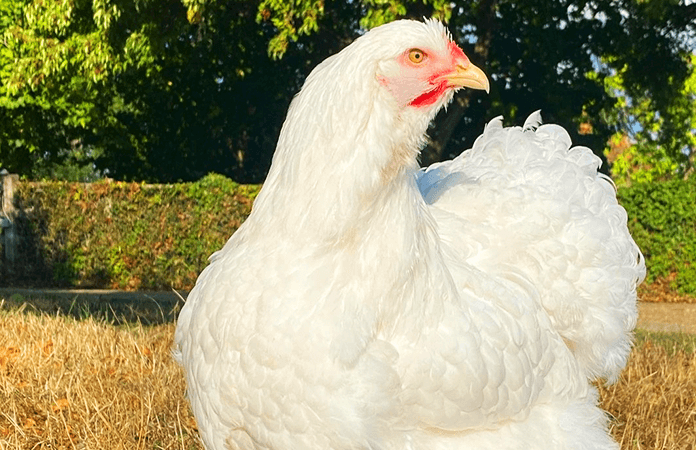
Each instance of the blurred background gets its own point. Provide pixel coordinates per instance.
(171, 90)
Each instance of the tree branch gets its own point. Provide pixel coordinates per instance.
(446, 123)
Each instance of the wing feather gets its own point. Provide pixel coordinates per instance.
(534, 205)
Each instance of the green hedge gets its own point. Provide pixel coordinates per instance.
(124, 235)
(662, 219)
(136, 236)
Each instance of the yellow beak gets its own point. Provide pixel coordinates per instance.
(469, 76)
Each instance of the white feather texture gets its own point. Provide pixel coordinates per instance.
(524, 202)
(366, 305)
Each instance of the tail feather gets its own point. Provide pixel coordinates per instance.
(535, 204)
(533, 121)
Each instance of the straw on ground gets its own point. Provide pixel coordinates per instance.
(68, 384)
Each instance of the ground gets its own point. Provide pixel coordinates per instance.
(660, 308)
(663, 309)
(667, 316)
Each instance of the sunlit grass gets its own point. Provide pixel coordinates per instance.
(87, 384)
(654, 402)
(671, 342)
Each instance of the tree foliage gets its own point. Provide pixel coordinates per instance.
(173, 89)
(663, 223)
(653, 145)
(135, 236)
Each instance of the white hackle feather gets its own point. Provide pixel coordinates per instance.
(367, 305)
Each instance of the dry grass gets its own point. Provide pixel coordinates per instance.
(67, 384)
(654, 402)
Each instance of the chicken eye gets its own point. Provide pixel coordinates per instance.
(416, 56)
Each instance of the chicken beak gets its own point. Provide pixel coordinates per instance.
(468, 76)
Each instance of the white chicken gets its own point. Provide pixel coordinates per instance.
(365, 304)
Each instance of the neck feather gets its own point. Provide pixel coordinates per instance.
(337, 158)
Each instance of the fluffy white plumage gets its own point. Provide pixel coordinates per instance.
(365, 304)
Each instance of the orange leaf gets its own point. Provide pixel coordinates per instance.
(60, 405)
(48, 348)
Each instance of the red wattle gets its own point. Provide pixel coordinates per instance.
(430, 97)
